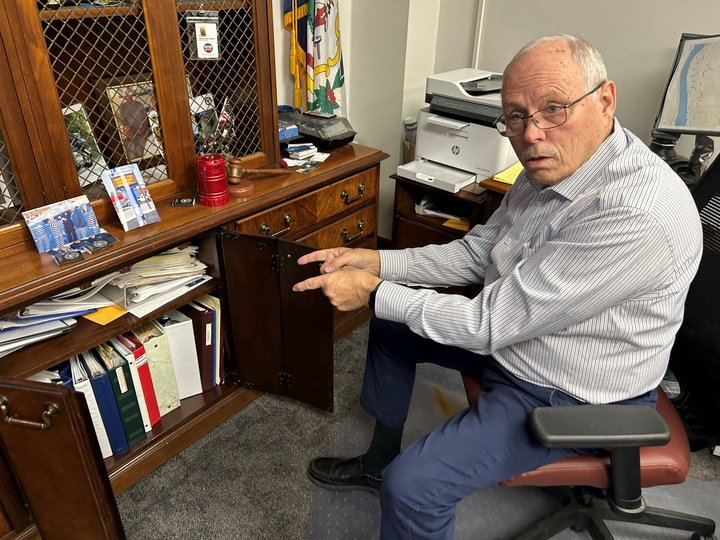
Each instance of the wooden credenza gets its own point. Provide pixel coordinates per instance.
(335, 205)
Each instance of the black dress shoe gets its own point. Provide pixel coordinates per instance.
(342, 474)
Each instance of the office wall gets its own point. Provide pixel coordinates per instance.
(637, 39)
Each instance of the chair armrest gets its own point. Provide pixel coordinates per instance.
(598, 426)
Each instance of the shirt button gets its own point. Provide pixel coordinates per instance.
(507, 241)
(393, 277)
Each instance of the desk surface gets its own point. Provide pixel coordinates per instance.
(494, 185)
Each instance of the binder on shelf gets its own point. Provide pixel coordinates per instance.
(181, 341)
(81, 383)
(161, 368)
(204, 333)
(129, 357)
(100, 381)
(146, 382)
(210, 302)
(125, 395)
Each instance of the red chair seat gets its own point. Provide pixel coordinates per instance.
(660, 465)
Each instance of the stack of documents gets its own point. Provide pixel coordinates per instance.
(22, 331)
(301, 151)
(509, 175)
(155, 281)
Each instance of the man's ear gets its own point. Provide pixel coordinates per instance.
(607, 98)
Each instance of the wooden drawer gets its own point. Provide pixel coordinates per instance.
(348, 193)
(351, 230)
(292, 218)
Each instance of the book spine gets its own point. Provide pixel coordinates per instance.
(109, 413)
(148, 387)
(127, 403)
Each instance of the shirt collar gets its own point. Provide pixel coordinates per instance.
(590, 174)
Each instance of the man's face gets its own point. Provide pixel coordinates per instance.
(545, 77)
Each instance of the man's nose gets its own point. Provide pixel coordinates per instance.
(532, 131)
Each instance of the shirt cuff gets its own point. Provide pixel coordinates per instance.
(393, 265)
(390, 301)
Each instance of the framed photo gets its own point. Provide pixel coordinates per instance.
(128, 104)
(60, 224)
(89, 162)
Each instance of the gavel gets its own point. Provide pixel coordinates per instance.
(236, 170)
(239, 187)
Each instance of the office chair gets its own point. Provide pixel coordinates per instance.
(598, 488)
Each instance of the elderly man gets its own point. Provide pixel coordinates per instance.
(585, 268)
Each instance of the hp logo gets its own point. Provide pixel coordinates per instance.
(455, 150)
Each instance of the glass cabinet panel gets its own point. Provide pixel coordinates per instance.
(10, 203)
(101, 63)
(220, 64)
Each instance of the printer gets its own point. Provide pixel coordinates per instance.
(456, 141)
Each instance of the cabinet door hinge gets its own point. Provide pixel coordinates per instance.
(276, 262)
(285, 379)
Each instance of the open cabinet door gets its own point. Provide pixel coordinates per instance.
(48, 439)
(280, 341)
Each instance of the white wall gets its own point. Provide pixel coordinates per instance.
(637, 39)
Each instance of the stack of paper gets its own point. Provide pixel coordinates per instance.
(509, 175)
(301, 151)
(153, 282)
(19, 332)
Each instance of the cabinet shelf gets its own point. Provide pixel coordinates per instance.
(82, 12)
(83, 336)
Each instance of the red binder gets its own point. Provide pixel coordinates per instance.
(203, 327)
(138, 350)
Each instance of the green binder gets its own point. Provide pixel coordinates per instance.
(124, 390)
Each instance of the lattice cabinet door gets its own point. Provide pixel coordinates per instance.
(101, 83)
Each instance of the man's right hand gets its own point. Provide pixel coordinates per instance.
(336, 258)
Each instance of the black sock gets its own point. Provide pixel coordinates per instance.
(384, 447)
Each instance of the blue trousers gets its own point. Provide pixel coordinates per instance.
(479, 447)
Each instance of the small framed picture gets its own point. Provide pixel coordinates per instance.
(89, 162)
(129, 106)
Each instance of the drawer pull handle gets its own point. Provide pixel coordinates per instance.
(50, 410)
(349, 239)
(345, 196)
(265, 228)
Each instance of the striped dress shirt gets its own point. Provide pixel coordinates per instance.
(584, 281)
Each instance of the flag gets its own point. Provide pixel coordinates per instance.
(324, 66)
(295, 21)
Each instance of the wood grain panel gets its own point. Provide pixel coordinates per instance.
(330, 201)
(302, 213)
(332, 235)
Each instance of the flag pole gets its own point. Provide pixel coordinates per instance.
(294, 64)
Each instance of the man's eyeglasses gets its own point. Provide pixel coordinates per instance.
(548, 118)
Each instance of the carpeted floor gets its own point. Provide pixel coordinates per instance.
(246, 479)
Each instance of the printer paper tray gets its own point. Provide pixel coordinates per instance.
(436, 175)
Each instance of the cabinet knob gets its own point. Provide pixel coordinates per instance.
(345, 196)
(349, 239)
(265, 228)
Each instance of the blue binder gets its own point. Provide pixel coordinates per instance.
(102, 388)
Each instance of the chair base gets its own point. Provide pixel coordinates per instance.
(587, 510)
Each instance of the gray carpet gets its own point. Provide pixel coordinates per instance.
(246, 479)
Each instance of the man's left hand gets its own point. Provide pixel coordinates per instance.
(347, 288)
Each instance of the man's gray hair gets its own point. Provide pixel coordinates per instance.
(588, 58)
